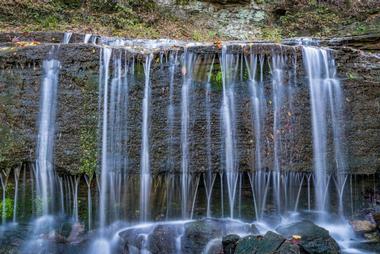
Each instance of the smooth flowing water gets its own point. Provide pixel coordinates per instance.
(103, 84)
(326, 105)
(145, 184)
(46, 133)
(229, 64)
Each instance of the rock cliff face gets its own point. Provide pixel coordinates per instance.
(232, 18)
(78, 109)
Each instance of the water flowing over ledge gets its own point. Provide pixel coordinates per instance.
(181, 130)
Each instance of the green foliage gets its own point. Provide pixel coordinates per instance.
(119, 17)
(72, 3)
(204, 35)
(197, 36)
(182, 2)
(8, 212)
(271, 34)
(103, 5)
(50, 22)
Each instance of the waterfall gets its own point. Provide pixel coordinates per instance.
(67, 37)
(4, 181)
(229, 64)
(326, 103)
(277, 70)
(145, 180)
(103, 82)
(89, 201)
(114, 87)
(46, 132)
(87, 38)
(210, 179)
(16, 174)
(75, 198)
(187, 72)
(256, 88)
(172, 64)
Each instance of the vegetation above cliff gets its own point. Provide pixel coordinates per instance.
(142, 19)
(147, 19)
(327, 18)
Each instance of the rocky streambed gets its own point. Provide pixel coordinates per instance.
(224, 236)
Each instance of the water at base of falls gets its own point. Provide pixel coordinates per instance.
(175, 131)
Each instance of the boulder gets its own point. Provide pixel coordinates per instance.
(77, 230)
(162, 239)
(247, 244)
(214, 247)
(289, 248)
(376, 218)
(314, 239)
(372, 236)
(363, 226)
(134, 238)
(156, 238)
(268, 243)
(229, 243)
(199, 233)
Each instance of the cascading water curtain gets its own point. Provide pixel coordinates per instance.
(229, 67)
(326, 106)
(46, 134)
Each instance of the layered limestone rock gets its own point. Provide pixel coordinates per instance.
(78, 109)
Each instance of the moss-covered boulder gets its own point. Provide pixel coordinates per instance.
(314, 239)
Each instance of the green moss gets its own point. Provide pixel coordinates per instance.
(202, 35)
(8, 212)
(88, 161)
(38, 205)
(271, 34)
(88, 127)
(217, 81)
(353, 75)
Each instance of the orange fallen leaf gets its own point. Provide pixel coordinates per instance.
(218, 44)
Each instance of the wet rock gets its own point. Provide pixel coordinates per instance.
(376, 218)
(229, 243)
(77, 230)
(162, 239)
(214, 247)
(199, 233)
(268, 243)
(372, 236)
(247, 244)
(363, 226)
(289, 248)
(314, 239)
(134, 238)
